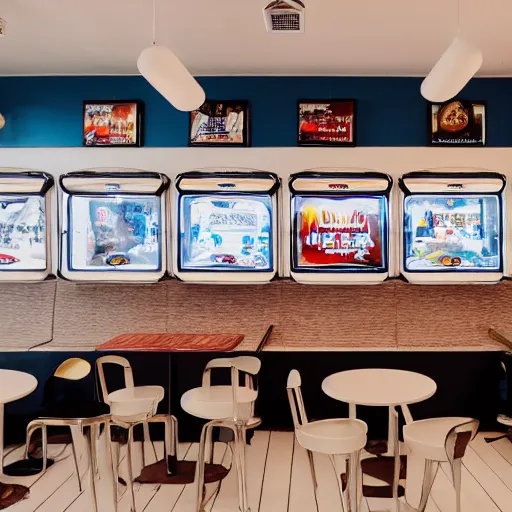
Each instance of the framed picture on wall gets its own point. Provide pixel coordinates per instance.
(457, 123)
(326, 122)
(220, 123)
(113, 123)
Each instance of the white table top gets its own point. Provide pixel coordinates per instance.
(379, 387)
(15, 385)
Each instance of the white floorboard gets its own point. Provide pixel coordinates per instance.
(278, 480)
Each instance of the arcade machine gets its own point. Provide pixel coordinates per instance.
(452, 226)
(25, 237)
(340, 226)
(113, 225)
(225, 227)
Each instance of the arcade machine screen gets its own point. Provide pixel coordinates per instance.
(115, 233)
(451, 233)
(342, 232)
(22, 233)
(226, 232)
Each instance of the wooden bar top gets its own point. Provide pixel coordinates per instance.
(171, 342)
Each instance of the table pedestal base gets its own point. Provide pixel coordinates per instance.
(27, 467)
(382, 469)
(11, 494)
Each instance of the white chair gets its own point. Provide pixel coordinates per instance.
(333, 437)
(230, 406)
(170, 422)
(130, 407)
(439, 440)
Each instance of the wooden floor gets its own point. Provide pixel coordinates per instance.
(278, 481)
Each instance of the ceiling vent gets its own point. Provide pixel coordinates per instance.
(285, 16)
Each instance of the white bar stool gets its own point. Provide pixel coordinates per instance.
(333, 437)
(229, 407)
(171, 423)
(130, 407)
(439, 440)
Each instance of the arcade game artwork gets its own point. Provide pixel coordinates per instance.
(339, 232)
(227, 232)
(450, 233)
(115, 233)
(112, 124)
(22, 233)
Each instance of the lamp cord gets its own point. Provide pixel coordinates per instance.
(458, 16)
(154, 22)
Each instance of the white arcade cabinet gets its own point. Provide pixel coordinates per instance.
(452, 226)
(113, 226)
(225, 226)
(339, 226)
(25, 234)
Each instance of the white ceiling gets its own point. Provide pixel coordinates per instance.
(228, 37)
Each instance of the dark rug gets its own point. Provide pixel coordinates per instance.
(157, 473)
(11, 494)
(382, 469)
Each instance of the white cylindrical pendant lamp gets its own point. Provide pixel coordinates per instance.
(456, 67)
(167, 74)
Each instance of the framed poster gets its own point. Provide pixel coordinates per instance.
(327, 123)
(220, 123)
(457, 123)
(113, 123)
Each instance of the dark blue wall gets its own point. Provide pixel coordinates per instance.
(47, 111)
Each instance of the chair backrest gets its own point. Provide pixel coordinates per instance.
(65, 384)
(121, 361)
(458, 439)
(247, 365)
(293, 387)
(74, 368)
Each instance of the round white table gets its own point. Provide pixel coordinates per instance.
(381, 387)
(13, 386)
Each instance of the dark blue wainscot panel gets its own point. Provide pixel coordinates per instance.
(47, 111)
(468, 384)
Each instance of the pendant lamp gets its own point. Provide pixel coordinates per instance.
(456, 67)
(167, 74)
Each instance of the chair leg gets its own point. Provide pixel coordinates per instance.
(114, 456)
(199, 476)
(77, 437)
(243, 504)
(77, 469)
(456, 474)
(338, 481)
(130, 468)
(353, 482)
(428, 480)
(313, 475)
(147, 440)
(113, 463)
(92, 477)
(44, 439)
(93, 430)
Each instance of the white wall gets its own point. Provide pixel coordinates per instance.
(283, 161)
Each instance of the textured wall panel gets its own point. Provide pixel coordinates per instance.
(88, 315)
(446, 316)
(247, 310)
(323, 317)
(26, 314)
